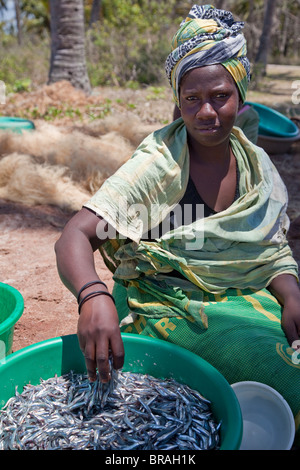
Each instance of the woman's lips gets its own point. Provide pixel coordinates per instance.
(207, 129)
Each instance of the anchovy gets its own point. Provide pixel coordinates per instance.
(131, 412)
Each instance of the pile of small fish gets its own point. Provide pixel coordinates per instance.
(132, 411)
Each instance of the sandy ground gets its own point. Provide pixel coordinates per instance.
(28, 234)
(28, 263)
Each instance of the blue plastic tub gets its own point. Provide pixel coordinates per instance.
(273, 123)
(15, 124)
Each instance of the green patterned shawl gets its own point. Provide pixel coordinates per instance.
(241, 247)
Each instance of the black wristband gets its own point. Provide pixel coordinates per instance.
(88, 285)
(94, 294)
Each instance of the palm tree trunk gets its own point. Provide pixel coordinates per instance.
(68, 61)
(261, 59)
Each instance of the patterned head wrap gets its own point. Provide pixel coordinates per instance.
(209, 36)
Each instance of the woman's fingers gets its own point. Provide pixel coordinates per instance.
(100, 338)
(117, 351)
(98, 356)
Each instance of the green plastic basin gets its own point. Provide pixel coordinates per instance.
(273, 123)
(143, 355)
(16, 124)
(11, 309)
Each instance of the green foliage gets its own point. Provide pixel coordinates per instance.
(143, 14)
(131, 43)
(36, 15)
(53, 112)
(22, 85)
(99, 112)
(156, 93)
(23, 66)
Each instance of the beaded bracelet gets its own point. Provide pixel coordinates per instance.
(88, 285)
(91, 295)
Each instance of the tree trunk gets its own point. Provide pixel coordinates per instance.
(95, 13)
(251, 39)
(261, 59)
(68, 61)
(219, 4)
(296, 41)
(18, 21)
(285, 29)
(251, 11)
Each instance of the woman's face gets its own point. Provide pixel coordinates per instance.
(209, 101)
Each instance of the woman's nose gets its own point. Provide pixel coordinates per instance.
(206, 111)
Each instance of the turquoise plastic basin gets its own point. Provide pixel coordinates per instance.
(16, 124)
(143, 355)
(273, 123)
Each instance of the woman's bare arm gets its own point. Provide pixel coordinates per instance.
(98, 324)
(286, 289)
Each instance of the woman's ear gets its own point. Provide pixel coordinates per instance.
(241, 104)
(176, 113)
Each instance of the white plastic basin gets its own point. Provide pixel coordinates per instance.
(268, 421)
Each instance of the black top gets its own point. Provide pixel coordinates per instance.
(190, 208)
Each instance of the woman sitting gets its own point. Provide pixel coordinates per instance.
(193, 227)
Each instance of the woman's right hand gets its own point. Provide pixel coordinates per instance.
(98, 326)
(99, 337)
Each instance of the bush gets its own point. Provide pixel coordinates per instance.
(114, 59)
(131, 43)
(23, 66)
